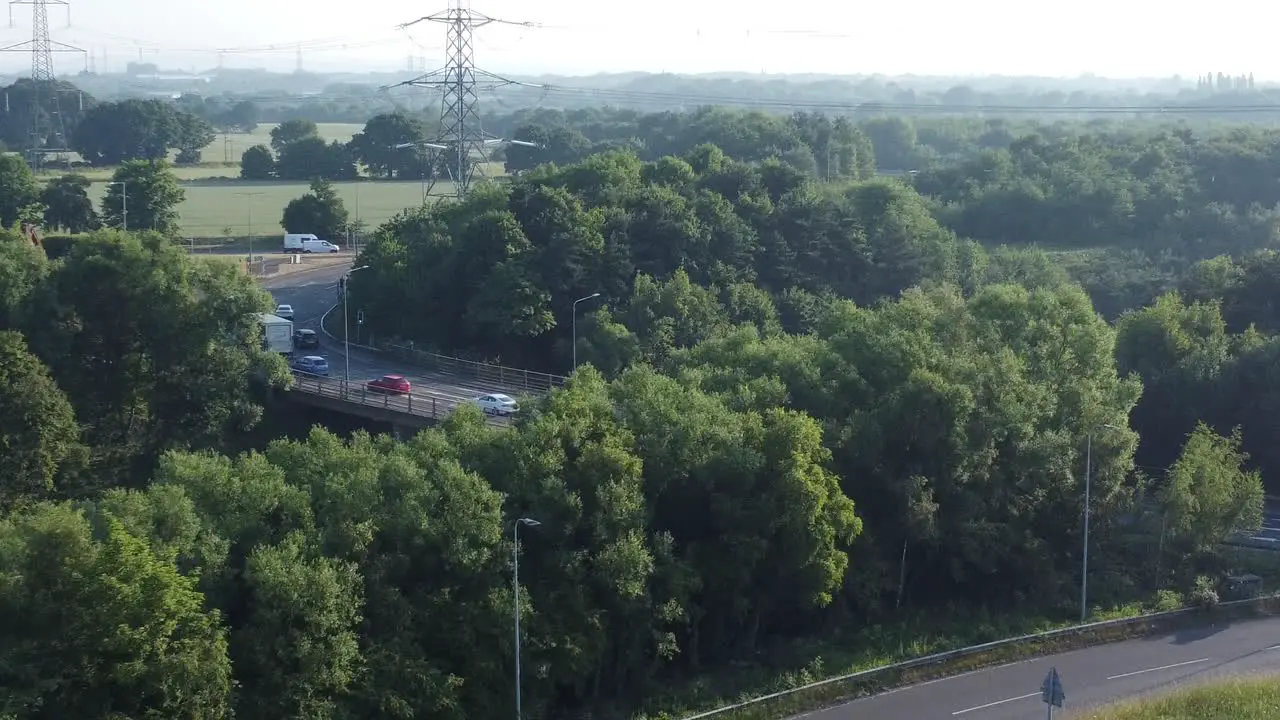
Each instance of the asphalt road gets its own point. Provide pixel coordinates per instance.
(1090, 677)
(313, 292)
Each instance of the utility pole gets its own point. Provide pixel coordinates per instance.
(47, 136)
(462, 142)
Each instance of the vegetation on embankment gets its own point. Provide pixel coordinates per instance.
(1255, 698)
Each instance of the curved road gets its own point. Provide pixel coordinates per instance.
(1090, 677)
(312, 292)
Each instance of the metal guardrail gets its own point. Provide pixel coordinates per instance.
(518, 379)
(886, 673)
(506, 378)
(414, 403)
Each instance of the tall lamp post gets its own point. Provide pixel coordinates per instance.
(1088, 491)
(124, 204)
(575, 326)
(346, 330)
(515, 574)
(249, 196)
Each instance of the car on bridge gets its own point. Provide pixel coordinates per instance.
(390, 385)
(497, 404)
(311, 365)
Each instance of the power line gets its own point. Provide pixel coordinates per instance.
(642, 97)
(43, 80)
(461, 134)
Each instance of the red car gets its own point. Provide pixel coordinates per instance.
(390, 385)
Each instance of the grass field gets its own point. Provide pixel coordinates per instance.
(222, 209)
(221, 158)
(1246, 699)
(219, 205)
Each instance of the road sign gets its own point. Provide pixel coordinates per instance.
(1051, 691)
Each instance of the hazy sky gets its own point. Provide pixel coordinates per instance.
(1116, 38)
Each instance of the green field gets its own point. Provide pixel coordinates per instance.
(221, 158)
(222, 209)
(217, 206)
(1248, 699)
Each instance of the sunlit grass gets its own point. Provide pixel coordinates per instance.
(1255, 698)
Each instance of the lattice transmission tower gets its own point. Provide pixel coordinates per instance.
(460, 146)
(51, 137)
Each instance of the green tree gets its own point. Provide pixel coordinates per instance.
(192, 135)
(154, 348)
(102, 628)
(379, 149)
(320, 212)
(311, 157)
(18, 188)
(38, 428)
(133, 129)
(257, 163)
(242, 117)
(143, 195)
(1209, 495)
(67, 204)
(291, 131)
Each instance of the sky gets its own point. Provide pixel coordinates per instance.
(1126, 38)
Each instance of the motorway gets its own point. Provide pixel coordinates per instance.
(1090, 677)
(1270, 532)
(312, 292)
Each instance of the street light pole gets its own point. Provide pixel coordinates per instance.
(249, 196)
(346, 331)
(515, 575)
(124, 204)
(1088, 492)
(575, 326)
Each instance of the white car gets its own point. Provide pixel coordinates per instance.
(497, 404)
(284, 311)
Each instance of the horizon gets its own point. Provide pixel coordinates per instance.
(989, 38)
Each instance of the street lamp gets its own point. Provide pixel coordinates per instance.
(515, 574)
(346, 331)
(575, 326)
(1088, 482)
(124, 203)
(249, 196)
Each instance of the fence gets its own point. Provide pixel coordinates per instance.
(528, 381)
(415, 403)
(931, 667)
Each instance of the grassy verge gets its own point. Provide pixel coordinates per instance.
(1245, 699)
(876, 649)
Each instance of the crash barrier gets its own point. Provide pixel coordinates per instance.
(954, 662)
(418, 403)
(518, 379)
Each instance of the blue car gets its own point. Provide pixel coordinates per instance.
(312, 365)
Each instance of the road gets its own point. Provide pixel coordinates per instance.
(313, 292)
(1090, 677)
(1270, 532)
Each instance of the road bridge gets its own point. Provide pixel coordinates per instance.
(406, 413)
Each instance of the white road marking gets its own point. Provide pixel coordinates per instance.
(998, 702)
(1162, 667)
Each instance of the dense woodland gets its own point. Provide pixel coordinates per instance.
(810, 405)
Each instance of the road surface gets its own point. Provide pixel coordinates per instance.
(1090, 677)
(313, 292)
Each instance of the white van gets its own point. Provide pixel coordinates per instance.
(308, 243)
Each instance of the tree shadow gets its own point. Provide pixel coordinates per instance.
(1195, 634)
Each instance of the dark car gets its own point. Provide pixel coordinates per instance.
(390, 385)
(306, 339)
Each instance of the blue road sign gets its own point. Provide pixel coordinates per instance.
(1051, 690)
